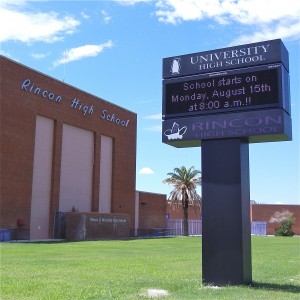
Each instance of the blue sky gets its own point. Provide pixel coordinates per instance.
(114, 50)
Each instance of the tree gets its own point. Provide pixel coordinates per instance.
(285, 221)
(184, 192)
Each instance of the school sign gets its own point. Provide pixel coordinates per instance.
(222, 100)
(217, 86)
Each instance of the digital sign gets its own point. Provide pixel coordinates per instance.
(236, 90)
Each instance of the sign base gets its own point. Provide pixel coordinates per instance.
(226, 231)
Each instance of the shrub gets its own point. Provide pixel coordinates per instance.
(285, 221)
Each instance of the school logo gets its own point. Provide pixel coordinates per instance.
(175, 67)
(175, 133)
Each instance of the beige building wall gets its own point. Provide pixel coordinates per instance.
(105, 184)
(76, 169)
(41, 180)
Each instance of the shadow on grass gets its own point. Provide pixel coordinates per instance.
(276, 287)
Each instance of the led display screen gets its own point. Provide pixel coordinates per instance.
(237, 90)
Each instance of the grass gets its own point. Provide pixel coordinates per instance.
(127, 269)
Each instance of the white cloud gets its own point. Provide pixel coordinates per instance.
(146, 171)
(131, 2)
(243, 11)
(154, 117)
(291, 30)
(85, 15)
(106, 16)
(17, 24)
(277, 16)
(4, 53)
(278, 202)
(81, 52)
(157, 128)
(18, 3)
(39, 55)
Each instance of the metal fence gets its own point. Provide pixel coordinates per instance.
(152, 232)
(195, 227)
(259, 228)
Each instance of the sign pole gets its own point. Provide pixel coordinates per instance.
(226, 232)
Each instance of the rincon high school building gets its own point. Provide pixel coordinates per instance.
(62, 150)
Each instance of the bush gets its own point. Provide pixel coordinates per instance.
(286, 228)
(285, 220)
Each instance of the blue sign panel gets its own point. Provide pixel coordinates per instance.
(267, 125)
(243, 56)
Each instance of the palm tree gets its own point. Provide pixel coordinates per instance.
(184, 192)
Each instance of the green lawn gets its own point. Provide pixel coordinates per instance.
(127, 269)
